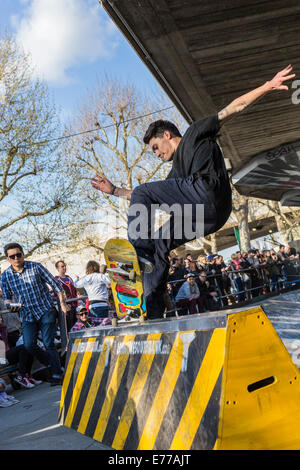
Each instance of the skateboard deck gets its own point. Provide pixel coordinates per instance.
(126, 279)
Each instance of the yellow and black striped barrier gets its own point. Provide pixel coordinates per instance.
(212, 381)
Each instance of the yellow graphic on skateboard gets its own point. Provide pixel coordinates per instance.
(126, 279)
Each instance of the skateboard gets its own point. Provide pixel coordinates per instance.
(126, 278)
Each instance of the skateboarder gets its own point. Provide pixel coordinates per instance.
(198, 177)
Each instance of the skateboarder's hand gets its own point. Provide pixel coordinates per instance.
(277, 82)
(102, 184)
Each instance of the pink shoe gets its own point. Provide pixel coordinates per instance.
(24, 382)
(32, 380)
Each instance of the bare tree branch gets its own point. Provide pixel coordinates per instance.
(27, 214)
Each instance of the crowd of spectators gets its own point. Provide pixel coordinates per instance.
(30, 330)
(209, 283)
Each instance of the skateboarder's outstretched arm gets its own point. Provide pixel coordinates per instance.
(239, 104)
(104, 185)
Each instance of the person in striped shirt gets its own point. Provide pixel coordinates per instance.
(27, 283)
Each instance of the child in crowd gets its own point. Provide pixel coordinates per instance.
(82, 319)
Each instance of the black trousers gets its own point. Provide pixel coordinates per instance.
(71, 318)
(188, 194)
(20, 355)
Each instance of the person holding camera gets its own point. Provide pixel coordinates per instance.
(176, 276)
(274, 265)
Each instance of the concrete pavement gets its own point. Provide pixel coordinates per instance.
(33, 424)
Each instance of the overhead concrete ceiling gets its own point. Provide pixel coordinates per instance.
(206, 53)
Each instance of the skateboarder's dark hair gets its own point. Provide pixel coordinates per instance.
(10, 246)
(157, 129)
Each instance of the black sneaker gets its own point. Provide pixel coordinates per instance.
(56, 381)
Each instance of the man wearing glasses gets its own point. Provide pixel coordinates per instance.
(26, 283)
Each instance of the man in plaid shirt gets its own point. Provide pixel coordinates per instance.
(27, 282)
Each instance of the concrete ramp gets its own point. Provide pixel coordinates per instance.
(284, 313)
(212, 381)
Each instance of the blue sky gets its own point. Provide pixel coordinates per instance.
(72, 42)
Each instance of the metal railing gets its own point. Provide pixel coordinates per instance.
(265, 285)
(285, 281)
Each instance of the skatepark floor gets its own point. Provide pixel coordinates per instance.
(33, 423)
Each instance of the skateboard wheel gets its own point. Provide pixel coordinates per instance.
(103, 268)
(114, 322)
(132, 275)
